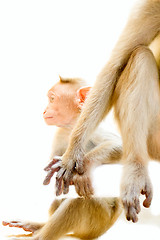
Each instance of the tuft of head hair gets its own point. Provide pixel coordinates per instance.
(76, 82)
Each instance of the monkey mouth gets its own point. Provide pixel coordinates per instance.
(47, 117)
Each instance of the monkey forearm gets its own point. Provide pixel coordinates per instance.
(105, 153)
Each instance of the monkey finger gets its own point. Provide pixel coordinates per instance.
(81, 189)
(53, 162)
(126, 210)
(66, 186)
(77, 187)
(88, 189)
(56, 165)
(132, 214)
(49, 175)
(48, 178)
(59, 185)
(60, 173)
(137, 205)
(67, 177)
(79, 167)
(76, 184)
(148, 200)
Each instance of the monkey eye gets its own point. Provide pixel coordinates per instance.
(52, 98)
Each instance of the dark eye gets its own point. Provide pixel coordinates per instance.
(52, 98)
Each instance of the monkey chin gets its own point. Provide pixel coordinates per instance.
(49, 120)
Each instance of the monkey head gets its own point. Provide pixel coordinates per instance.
(65, 101)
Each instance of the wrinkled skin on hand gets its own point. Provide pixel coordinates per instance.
(64, 179)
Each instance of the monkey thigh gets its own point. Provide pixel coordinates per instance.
(137, 98)
(85, 218)
(95, 216)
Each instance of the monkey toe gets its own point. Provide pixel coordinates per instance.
(26, 227)
(149, 195)
(147, 201)
(131, 214)
(132, 208)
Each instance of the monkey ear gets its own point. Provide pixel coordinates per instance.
(82, 94)
(60, 79)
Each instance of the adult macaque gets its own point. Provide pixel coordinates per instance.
(66, 99)
(129, 83)
(86, 218)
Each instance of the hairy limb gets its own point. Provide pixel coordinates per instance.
(137, 100)
(104, 212)
(108, 152)
(105, 153)
(61, 222)
(33, 227)
(140, 30)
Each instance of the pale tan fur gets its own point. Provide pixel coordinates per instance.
(101, 148)
(84, 218)
(130, 83)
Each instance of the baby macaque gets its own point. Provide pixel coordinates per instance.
(79, 217)
(66, 100)
(85, 218)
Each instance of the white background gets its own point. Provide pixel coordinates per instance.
(39, 40)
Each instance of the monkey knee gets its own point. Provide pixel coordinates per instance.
(142, 55)
(55, 204)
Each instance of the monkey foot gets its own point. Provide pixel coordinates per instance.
(28, 227)
(134, 184)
